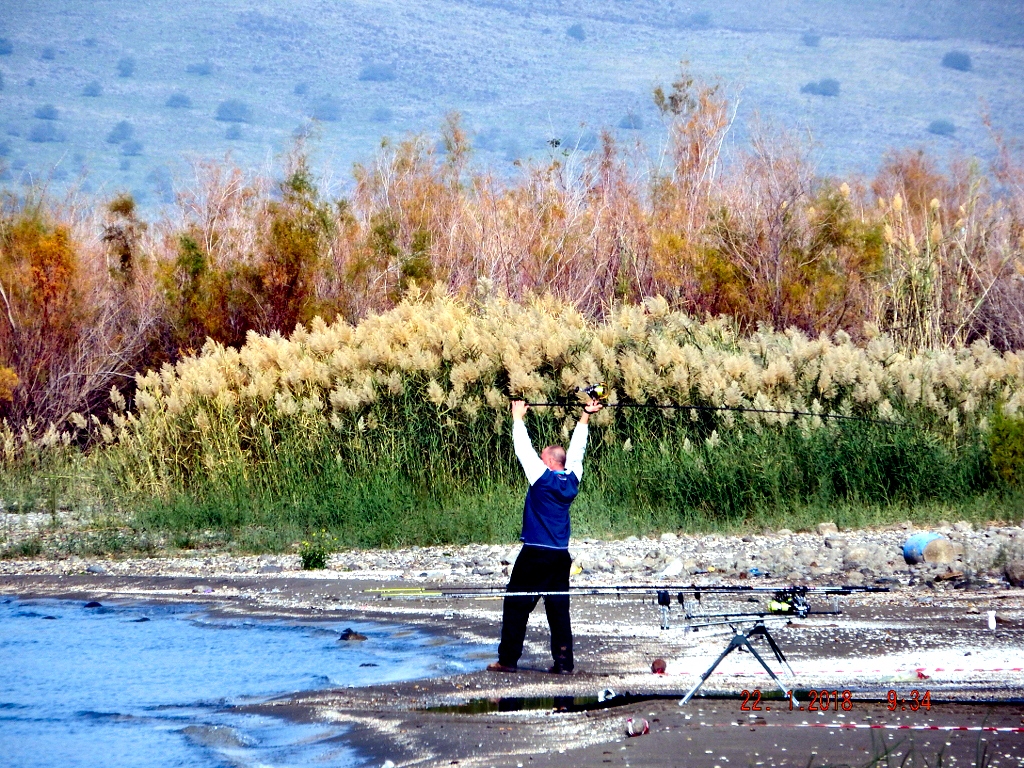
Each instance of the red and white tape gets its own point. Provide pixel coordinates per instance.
(878, 727)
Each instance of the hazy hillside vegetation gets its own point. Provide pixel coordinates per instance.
(348, 363)
(208, 77)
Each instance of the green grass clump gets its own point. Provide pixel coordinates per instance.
(400, 494)
(315, 550)
(1006, 442)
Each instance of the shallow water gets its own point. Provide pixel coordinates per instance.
(145, 685)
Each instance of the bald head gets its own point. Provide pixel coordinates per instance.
(553, 457)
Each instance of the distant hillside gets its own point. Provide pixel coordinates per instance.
(118, 95)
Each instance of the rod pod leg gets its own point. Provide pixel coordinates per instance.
(761, 629)
(735, 643)
(785, 693)
(739, 640)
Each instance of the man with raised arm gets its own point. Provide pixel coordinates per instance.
(544, 562)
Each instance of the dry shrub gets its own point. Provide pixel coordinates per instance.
(239, 261)
(936, 261)
(73, 326)
(786, 248)
(953, 261)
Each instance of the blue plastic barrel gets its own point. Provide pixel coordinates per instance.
(913, 548)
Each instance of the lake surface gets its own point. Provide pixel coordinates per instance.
(146, 685)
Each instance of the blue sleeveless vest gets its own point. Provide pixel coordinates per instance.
(546, 513)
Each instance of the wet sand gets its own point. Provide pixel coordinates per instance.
(932, 639)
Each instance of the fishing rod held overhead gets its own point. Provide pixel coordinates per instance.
(599, 392)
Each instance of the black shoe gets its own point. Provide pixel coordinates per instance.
(558, 669)
(497, 666)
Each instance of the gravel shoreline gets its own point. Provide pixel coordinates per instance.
(826, 556)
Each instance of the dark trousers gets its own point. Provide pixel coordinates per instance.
(538, 570)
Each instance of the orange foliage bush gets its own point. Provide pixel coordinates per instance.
(70, 327)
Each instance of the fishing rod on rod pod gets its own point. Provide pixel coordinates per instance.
(599, 392)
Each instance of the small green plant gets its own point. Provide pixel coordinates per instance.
(234, 111)
(47, 112)
(126, 67)
(957, 60)
(326, 109)
(32, 547)
(121, 132)
(201, 68)
(44, 132)
(824, 87)
(1006, 445)
(377, 72)
(178, 101)
(315, 550)
(632, 122)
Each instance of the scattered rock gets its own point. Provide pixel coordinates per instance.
(673, 569)
(669, 536)
(349, 635)
(96, 568)
(856, 558)
(1014, 572)
(783, 532)
(270, 569)
(826, 528)
(93, 604)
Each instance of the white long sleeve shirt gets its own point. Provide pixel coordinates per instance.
(530, 460)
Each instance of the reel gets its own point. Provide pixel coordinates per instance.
(791, 602)
(594, 391)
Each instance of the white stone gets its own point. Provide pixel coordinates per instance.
(673, 569)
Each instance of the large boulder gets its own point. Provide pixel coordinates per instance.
(857, 557)
(939, 551)
(1014, 572)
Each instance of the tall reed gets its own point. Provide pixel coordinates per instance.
(404, 416)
